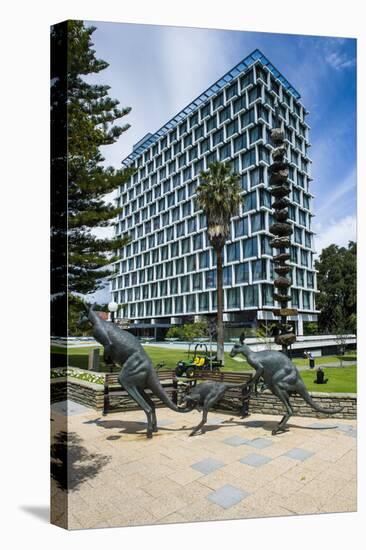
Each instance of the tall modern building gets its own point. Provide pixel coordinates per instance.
(166, 275)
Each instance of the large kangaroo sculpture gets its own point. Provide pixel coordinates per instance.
(280, 376)
(137, 373)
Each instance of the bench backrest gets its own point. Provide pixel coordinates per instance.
(111, 378)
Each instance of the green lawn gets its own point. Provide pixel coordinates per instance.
(340, 380)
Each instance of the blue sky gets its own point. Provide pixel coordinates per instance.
(158, 70)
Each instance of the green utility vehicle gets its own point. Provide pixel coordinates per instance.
(201, 360)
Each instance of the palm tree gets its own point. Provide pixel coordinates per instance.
(218, 195)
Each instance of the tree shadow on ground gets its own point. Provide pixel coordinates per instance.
(72, 463)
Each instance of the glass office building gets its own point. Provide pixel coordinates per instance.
(166, 275)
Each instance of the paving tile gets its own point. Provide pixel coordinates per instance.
(260, 443)
(255, 460)
(345, 427)
(214, 421)
(69, 408)
(298, 454)
(208, 465)
(235, 441)
(227, 496)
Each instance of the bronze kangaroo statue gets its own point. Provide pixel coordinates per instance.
(280, 376)
(137, 372)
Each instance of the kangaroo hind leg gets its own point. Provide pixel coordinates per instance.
(150, 402)
(136, 396)
(284, 397)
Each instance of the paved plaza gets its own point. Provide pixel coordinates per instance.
(237, 469)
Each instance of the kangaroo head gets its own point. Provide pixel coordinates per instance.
(86, 316)
(238, 348)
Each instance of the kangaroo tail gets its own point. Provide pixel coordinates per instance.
(159, 391)
(307, 397)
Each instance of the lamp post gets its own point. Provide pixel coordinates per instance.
(112, 308)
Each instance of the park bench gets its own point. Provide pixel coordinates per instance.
(114, 392)
(116, 398)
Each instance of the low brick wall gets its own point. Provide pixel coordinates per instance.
(92, 395)
(267, 403)
(86, 393)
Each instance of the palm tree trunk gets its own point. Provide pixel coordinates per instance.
(220, 306)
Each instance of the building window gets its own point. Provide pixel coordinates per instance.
(248, 158)
(191, 302)
(255, 133)
(233, 251)
(178, 301)
(168, 306)
(259, 270)
(179, 266)
(184, 284)
(191, 263)
(267, 295)
(242, 273)
(173, 286)
(239, 104)
(251, 296)
(227, 276)
(233, 297)
(264, 198)
(257, 222)
(205, 145)
(204, 259)
(298, 235)
(186, 244)
(304, 258)
(306, 299)
(232, 128)
(197, 281)
(310, 279)
(241, 227)
(265, 245)
(293, 254)
(250, 248)
(197, 241)
(191, 225)
(199, 132)
(231, 91)
(193, 153)
(205, 111)
(203, 301)
(218, 101)
(225, 114)
(255, 93)
(168, 269)
(211, 278)
(211, 124)
(247, 79)
(250, 201)
(300, 277)
(240, 143)
(225, 151)
(187, 174)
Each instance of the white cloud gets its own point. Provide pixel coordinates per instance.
(336, 232)
(339, 61)
(338, 192)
